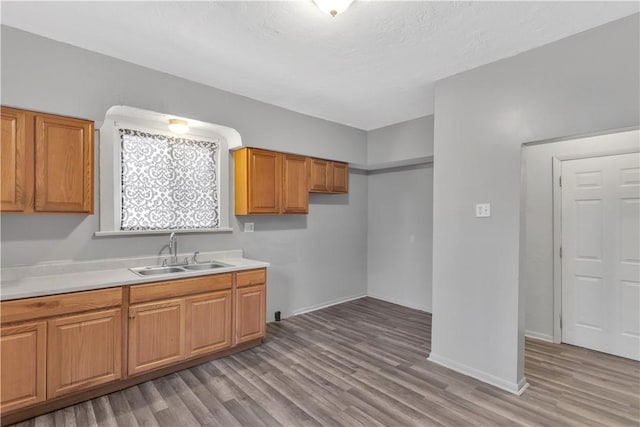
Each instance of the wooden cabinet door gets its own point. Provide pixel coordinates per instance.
(13, 158)
(265, 181)
(319, 171)
(156, 334)
(295, 190)
(24, 360)
(339, 177)
(208, 325)
(63, 164)
(250, 313)
(84, 351)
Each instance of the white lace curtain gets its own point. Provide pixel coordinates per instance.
(167, 182)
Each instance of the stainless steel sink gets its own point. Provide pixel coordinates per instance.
(176, 269)
(205, 266)
(150, 271)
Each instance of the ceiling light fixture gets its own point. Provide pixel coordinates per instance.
(333, 7)
(178, 126)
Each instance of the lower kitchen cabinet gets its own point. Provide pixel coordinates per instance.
(208, 323)
(24, 361)
(84, 351)
(250, 313)
(156, 334)
(58, 349)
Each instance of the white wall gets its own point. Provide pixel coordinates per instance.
(400, 143)
(399, 235)
(316, 258)
(585, 83)
(538, 259)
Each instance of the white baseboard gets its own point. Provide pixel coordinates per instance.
(539, 336)
(327, 304)
(512, 387)
(395, 301)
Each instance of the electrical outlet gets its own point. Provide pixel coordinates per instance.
(248, 227)
(483, 210)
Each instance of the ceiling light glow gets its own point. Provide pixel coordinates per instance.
(178, 126)
(333, 7)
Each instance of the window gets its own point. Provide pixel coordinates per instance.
(153, 181)
(167, 182)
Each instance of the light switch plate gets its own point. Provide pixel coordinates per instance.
(483, 210)
(248, 227)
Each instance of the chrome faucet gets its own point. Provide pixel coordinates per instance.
(173, 248)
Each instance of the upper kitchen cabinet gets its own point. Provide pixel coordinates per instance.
(267, 182)
(295, 194)
(319, 173)
(339, 177)
(258, 181)
(326, 176)
(47, 163)
(64, 164)
(13, 157)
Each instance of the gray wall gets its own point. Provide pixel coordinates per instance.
(408, 140)
(399, 235)
(538, 260)
(45, 75)
(400, 226)
(581, 84)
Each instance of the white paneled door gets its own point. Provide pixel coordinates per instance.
(601, 253)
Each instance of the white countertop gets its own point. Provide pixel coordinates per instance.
(53, 279)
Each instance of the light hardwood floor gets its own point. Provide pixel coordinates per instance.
(363, 363)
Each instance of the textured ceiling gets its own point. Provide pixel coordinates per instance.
(372, 66)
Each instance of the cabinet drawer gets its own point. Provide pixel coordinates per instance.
(55, 305)
(251, 277)
(180, 287)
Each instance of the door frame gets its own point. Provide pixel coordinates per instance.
(557, 227)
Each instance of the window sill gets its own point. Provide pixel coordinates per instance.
(161, 232)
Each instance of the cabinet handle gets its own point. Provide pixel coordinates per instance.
(132, 317)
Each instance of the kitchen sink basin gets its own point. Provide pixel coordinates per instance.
(146, 271)
(175, 269)
(205, 266)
